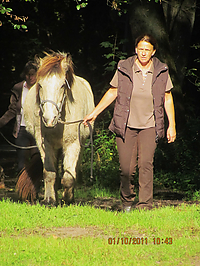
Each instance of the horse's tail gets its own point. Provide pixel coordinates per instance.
(29, 179)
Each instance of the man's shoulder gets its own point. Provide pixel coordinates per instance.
(159, 64)
(18, 87)
(129, 59)
(127, 63)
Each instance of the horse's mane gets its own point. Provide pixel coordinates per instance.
(51, 64)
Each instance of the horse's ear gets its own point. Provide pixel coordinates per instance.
(68, 59)
(38, 60)
(67, 63)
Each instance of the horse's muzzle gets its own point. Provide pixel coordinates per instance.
(50, 123)
(53, 111)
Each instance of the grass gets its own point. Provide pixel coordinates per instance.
(29, 235)
(94, 192)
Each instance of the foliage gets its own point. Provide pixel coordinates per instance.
(106, 162)
(193, 74)
(81, 4)
(16, 21)
(196, 196)
(118, 5)
(114, 53)
(177, 165)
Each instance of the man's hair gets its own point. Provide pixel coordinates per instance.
(147, 38)
(29, 65)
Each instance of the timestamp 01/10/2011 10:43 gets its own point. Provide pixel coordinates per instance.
(139, 241)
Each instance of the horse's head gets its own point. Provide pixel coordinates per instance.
(54, 78)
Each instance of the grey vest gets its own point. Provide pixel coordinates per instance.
(125, 86)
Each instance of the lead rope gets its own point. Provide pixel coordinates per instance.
(90, 142)
(16, 146)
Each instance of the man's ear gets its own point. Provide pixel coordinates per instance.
(154, 51)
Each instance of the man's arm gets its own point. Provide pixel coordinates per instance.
(107, 99)
(10, 113)
(169, 109)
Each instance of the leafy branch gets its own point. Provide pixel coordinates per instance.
(16, 21)
(114, 53)
(193, 74)
(118, 5)
(81, 4)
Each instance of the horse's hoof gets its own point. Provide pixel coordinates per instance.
(68, 195)
(66, 201)
(49, 202)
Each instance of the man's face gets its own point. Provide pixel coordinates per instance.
(144, 51)
(31, 78)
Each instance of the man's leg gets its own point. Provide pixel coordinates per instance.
(127, 150)
(146, 150)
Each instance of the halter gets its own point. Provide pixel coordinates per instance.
(59, 109)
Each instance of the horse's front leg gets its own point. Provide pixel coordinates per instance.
(49, 175)
(71, 156)
(49, 160)
(49, 181)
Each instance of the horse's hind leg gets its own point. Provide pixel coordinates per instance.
(68, 183)
(49, 174)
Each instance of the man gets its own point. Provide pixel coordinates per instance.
(15, 110)
(142, 89)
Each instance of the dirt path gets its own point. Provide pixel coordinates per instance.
(8, 180)
(161, 197)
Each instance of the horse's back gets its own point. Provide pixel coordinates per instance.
(82, 104)
(85, 83)
(83, 95)
(81, 85)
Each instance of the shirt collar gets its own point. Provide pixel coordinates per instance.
(137, 69)
(25, 85)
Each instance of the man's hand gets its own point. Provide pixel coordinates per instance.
(169, 108)
(171, 134)
(89, 118)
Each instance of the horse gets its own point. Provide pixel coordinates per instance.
(52, 108)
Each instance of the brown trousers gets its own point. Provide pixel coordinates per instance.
(137, 148)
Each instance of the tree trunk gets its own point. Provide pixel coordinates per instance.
(179, 17)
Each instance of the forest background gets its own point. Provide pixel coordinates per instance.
(98, 33)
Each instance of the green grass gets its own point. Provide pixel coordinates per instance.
(29, 235)
(95, 192)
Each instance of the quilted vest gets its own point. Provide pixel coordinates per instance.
(125, 86)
